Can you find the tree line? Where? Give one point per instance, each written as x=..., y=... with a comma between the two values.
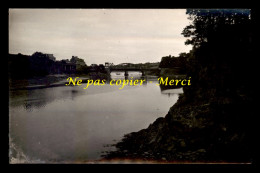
x=40, y=64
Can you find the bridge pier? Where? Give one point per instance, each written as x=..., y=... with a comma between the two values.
x=143, y=73
x=108, y=74
x=126, y=73
x=126, y=70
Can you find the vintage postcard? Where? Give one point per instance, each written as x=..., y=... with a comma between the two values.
x=130, y=86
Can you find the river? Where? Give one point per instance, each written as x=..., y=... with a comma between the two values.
x=69, y=124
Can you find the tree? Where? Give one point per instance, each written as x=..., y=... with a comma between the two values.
x=40, y=64
x=208, y=25
x=222, y=47
x=165, y=62
x=81, y=66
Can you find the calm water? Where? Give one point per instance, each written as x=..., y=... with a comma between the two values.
x=70, y=124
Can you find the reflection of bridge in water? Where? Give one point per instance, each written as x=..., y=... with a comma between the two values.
x=126, y=70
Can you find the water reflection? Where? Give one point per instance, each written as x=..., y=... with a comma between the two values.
x=121, y=74
x=38, y=98
x=170, y=90
x=131, y=75
x=68, y=123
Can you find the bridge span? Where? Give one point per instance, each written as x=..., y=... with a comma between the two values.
x=126, y=70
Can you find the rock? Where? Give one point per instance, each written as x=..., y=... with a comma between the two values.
x=182, y=144
x=201, y=150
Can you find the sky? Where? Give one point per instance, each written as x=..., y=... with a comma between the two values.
x=99, y=35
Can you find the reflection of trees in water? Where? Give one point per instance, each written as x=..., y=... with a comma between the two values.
x=35, y=99
x=30, y=105
x=169, y=88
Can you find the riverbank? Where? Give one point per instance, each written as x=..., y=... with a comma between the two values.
x=42, y=82
x=198, y=132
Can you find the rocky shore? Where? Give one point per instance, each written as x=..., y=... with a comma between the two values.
x=198, y=132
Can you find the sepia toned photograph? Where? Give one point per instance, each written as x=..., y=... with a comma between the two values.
x=131, y=86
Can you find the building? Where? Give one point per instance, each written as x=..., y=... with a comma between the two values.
x=57, y=67
x=51, y=57
x=44, y=55
x=80, y=63
x=108, y=64
x=64, y=66
x=126, y=64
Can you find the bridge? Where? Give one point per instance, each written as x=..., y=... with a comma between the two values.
x=126, y=69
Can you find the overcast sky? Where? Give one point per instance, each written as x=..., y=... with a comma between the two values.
x=99, y=35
